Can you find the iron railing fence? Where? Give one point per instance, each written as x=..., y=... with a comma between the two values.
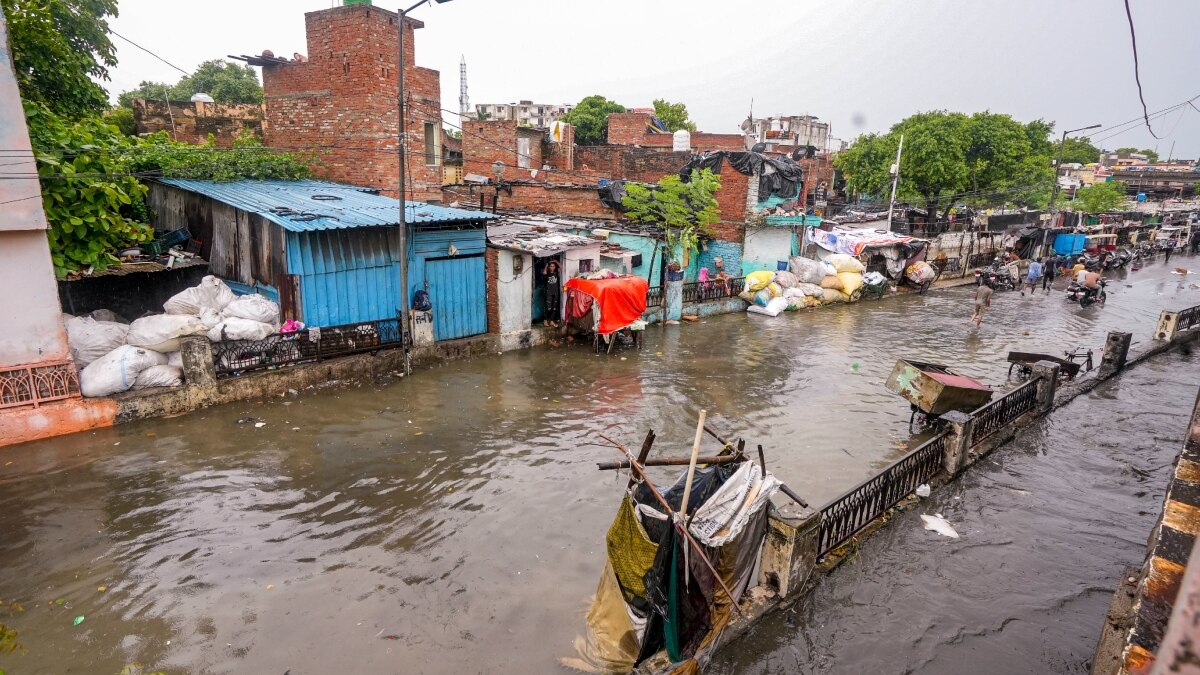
x=994, y=416
x=654, y=296
x=696, y=291
x=847, y=515
x=1187, y=318
x=310, y=344
x=35, y=385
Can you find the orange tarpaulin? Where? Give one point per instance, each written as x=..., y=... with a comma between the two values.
x=622, y=300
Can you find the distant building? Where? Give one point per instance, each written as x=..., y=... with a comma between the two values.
x=791, y=131
x=524, y=112
x=1123, y=159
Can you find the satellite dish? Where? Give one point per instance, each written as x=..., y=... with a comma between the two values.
x=748, y=125
x=759, y=147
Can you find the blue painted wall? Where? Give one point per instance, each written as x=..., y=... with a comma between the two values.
x=457, y=284
x=731, y=255
x=346, y=276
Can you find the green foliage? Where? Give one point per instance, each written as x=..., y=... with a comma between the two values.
x=60, y=49
x=482, y=116
x=1080, y=150
x=673, y=115
x=159, y=155
x=951, y=158
x=121, y=118
x=225, y=82
x=90, y=202
x=1151, y=155
x=590, y=119
x=684, y=210
x=1100, y=197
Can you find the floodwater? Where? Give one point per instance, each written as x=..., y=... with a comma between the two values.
x=454, y=521
x=1047, y=526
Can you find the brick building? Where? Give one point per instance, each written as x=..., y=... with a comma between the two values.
x=341, y=98
x=194, y=121
x=637, y=128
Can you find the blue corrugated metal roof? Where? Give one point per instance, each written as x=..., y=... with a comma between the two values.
x=308, y=205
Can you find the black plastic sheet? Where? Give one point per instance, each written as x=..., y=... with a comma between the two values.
x=778, y=175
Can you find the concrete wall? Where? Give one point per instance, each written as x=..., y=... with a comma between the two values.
x=765, y=246
x=572, y=256
x=514, y=291
x=193, y=122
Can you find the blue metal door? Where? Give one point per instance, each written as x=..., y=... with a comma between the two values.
x=458, y=291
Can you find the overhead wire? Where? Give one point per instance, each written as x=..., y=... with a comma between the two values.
x=1137, y=69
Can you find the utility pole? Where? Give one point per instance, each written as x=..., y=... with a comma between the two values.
x=895, y=182
x=401, y=147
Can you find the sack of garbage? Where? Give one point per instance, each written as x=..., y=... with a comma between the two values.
x=747, y=295
x=117, y=370
x=756, y=281
x=920, y=272
x=235, y=328
x=793, y=293
x=161, y=332
x=175, y=359
x=159, y=376
x=832, y=295
x=108, y=315
x=786, y=279
x=814, y=290
x=90, y=339
x=851, y=282
x=211, y=293
x=831, y=282
x=846, y=263
x=253, y=307
x=774, y=308
x=807, y=270
x=874, y=278
x=209, y=317
x=762, y=297
x=830, y=270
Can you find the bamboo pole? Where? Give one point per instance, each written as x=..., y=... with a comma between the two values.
x=691, y=473
x=642, y=455
x=678, y=525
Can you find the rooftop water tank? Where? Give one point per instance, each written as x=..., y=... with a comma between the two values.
x=681, y=141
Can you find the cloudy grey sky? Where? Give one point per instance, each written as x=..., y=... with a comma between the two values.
x=860, y=64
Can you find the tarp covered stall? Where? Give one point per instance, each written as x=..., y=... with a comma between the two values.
x=620, y=301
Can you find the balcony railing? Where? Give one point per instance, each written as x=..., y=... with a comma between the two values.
x=311, y=344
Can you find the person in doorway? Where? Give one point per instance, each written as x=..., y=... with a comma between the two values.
x=983, y=302
x=1049, y=274
x=553, y=293
x=1033, y=276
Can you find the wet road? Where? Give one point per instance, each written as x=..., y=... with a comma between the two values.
x=1047, y=526
x=453, y=522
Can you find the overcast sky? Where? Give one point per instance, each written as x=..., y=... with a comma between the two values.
x=859, y=64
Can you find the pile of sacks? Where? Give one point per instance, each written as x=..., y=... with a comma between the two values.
x=806, y=283
x=113, y=356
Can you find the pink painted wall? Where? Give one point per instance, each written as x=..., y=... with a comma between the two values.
x=31, y=328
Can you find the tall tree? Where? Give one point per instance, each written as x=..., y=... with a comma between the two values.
x=1080, y=151
x=156, y=91
x=590, y=119
x=60, y=48
x=225, y=82
x=673, y=115
x=1100, y=197
x=683, y=210
x=1150, y=154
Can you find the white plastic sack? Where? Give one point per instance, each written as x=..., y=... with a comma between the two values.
x=874, y=278
x=234, y=328
x=159, y=376
x=211, y=293
x=161, y=332
x=209, y=317
x=813, y=290
x=175, y=359
x=793, y=293
x=846, y=263
x=117, y=370
x=726, y=513
x=774, y=307
x=90, y=339
x=786, y=279
x=252, y=307
x=807, y=270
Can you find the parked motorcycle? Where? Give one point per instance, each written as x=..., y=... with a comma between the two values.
x=1086, y=297
x=1118, y=260
x=997, y=277
x=1091, y=262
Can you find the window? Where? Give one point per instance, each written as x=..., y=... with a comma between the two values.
x=585, y=266
x=524, y=152
x=433, y=145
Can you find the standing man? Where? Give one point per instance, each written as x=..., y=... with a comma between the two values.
x=1049, y=274
x=1170, y=249
x=983, y=301
x=1033, y=276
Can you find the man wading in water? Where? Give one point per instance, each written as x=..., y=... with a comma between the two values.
x=983, y=300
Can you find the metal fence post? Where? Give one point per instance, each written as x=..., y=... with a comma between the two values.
x=958, y=441
x=1116, y=351
x=1166, y=325
x=1046, y=373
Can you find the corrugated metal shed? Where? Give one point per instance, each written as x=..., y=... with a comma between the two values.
x=311, y=205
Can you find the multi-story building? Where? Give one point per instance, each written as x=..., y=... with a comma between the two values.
x=526, y=113
x=791, y=131
x=1108, y=159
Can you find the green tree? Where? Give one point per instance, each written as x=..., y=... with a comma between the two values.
x=92, y=203
x=1151, y=155
x=60, y=50
x=1079, y=150
x=951, y=158
x=683, y=210
x=590, y=119
x=159, y=155
x=155, y=91
x=1100, y=197
x=225, y=82
x=673, y=115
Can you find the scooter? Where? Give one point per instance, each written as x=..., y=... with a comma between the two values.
x=1086, y=297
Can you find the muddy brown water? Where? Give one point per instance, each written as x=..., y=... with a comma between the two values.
x=453, y=522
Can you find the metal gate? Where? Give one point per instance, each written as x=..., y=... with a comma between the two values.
x=458, y=292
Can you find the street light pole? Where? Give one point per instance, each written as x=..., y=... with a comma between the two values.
x=405, y=323
x=895, y=182
x=1058, y=163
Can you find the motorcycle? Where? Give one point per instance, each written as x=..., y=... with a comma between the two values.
x=1091, y=262
x=997, y=276
x=1118, y=260
x=1086, y=297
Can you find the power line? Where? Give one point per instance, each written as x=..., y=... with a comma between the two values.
x=148, y=52
x=1136, y=69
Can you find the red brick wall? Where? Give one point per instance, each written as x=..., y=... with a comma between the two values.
x=628, y=128
x=564, y=200
x=562, y=154
x=189, y=122
x=702, y=142
x=492, y=274
x=343, y=99
x=731, y=198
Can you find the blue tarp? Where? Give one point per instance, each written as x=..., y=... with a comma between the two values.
x=1069, y=244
